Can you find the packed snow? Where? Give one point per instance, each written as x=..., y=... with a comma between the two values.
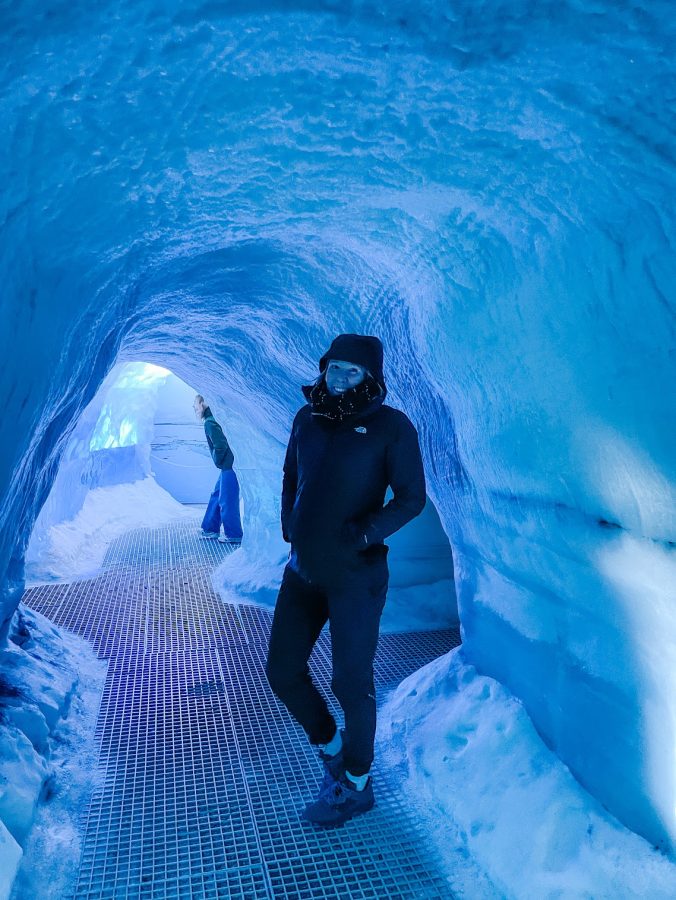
x=52, y=850
x=497, y=799
x=76, y=548
x=50, y=691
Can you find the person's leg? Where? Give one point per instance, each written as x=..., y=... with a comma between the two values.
x=229, y=505
x=300, y=614
x=212, y=517
x=355, y=608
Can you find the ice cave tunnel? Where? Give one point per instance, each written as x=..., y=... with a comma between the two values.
x=197, y=197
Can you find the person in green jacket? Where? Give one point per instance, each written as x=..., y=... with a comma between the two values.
x=223, y=506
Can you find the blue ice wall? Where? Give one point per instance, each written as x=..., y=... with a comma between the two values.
x=111, y=444
x=179, y=457
x=489, y=186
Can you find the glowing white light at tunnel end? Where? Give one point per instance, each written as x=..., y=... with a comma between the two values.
x=132, y=387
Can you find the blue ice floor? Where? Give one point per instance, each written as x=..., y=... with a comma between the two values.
x=203, y=773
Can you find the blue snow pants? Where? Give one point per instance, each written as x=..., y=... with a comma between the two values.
x=223, y=507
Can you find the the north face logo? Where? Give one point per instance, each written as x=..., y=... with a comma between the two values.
x=360, y=429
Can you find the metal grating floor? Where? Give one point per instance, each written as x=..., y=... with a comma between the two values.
x=203, y=772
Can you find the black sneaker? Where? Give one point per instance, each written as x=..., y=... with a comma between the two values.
x=338, y=803
x=334, y=767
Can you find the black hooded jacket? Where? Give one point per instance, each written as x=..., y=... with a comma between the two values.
x=336, y=474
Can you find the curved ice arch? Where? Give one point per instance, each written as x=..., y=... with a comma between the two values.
x=489, y=189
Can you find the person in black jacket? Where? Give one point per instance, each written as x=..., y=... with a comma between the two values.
x=223, y=506
x=346, y=449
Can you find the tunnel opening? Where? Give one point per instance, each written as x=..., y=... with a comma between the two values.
x=138, y=458
x=105, y=484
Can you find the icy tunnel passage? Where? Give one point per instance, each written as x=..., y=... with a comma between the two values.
x=220, y=188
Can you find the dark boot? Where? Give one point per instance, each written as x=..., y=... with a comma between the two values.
x=334, y=766
x=338, y=803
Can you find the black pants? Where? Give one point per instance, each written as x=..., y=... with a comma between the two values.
x=353, y=608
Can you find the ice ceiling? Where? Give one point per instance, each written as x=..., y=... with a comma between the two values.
x=221, y=187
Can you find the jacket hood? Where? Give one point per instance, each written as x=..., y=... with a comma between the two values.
x=361, y=349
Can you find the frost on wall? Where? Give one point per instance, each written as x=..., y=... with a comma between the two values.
x=488, y=187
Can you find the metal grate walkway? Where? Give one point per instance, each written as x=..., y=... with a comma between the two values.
x=203, y=773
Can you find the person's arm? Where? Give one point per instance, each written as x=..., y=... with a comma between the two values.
x=221, y=453
x=406, y=477
x=289, y=483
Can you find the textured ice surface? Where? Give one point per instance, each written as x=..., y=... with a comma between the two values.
x=220, y=188
x=111, y=444
x=104, y=485
x=10, y=857
x=51, y=852
x=179, y=454
x=43, y=673
x=485, y=782
x=76, y=548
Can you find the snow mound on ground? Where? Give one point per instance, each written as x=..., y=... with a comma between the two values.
x=76, y=548
x=53, y=847
x=488, y=785
x=49, y=695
